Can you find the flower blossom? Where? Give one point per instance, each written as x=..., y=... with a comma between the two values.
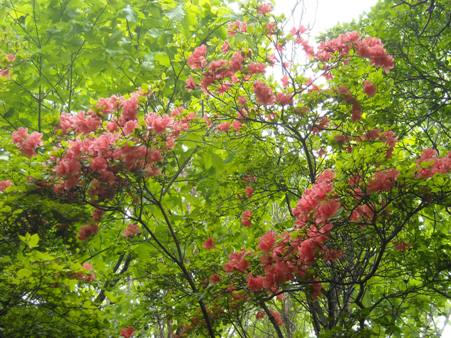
x=5, y=184
x=27, y=143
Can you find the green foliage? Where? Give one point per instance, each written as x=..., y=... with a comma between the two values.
x=70, y=53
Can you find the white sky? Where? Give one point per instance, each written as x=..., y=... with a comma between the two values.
x=321, y=15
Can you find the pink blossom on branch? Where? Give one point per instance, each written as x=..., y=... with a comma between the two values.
x=131, y=230
x=127, y=332
x=198, y=59
x=5, y=184
x=369, y=88
x=209, y=244
x=383, y=181
x=87, y=231
x=27, y=143
x=264, y=9
x=246, y=218
x=264, y=94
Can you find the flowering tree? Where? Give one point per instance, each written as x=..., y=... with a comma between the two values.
x=266, y=192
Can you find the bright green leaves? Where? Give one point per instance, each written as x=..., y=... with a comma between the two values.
x=30, y=240
x=162, y=59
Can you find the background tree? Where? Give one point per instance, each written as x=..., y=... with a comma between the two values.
x=229, y=202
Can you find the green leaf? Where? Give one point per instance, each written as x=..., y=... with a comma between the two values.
x=163, y=59
x=24, y=273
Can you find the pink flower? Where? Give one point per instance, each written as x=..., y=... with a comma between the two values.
x=87, y=276
x=224, y=127
x=255, y=283
x=326, y=210
x=97, y=215
x=271, y=27
x=130, y=126
x=263, y=93
x=237, y=261
x=129, y=109
x=383, y=180
x=285, y=81
x=429, y=164
x=264, y=9
x=97, y=164
x=209, y=244
x=307, y=250
x=197, y=60
x=225, y=47
x=155, y=155
x=5, y=184
x=27, y=143
x=87, y=266
x=249, y=191
x=267, y=241
x=10, y=58
x=127, y=332
x=87, y=231
x=369, y=88
x=256, y=68
x=236, y=125
x=356, y=111
x=131, y=230
x=246, y=218
x=362, y=212
x=158, y=123
x=111, y=126
x=82, y=123
x=5, y=73
x=236, y=61
x=284, y=99
x=370, y=48
x=214, y=278
x=107, y=105
x=190, y=84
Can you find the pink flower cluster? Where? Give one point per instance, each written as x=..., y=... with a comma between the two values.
x=27, y=143
x=237, y=262
x=362, y=212
x=5, y=73
x=81, y=123
x=370, y=48
x=87, y=231
x=88, y=275
x=198, y=59
x=131, y=230
x=246, y=218
x=263, y=93
x=127, y=332
x=283, y=257
x=236, y=26
x=264, y=9
x=430, y=164
x=209, y=244
x=316, y=202
x=383, y=181
x=96, y=157
x=5, y=184
x=256, y=68
x=389, y=137
x=369, y=88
